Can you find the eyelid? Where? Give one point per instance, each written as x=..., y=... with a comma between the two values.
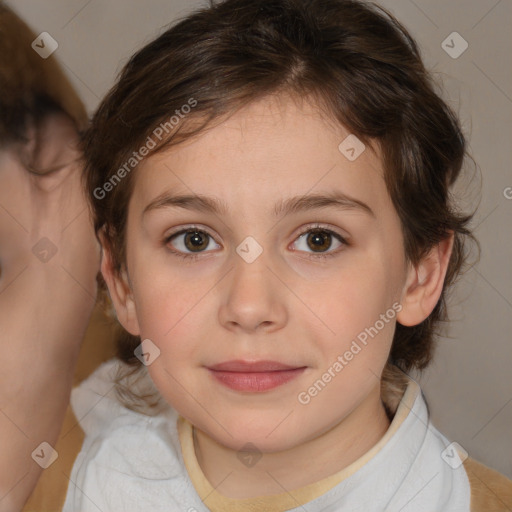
x=183, y=230
x=319, y=226
x=188, y=228
x=300, y=232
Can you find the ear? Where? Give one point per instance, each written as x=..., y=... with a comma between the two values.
x=120, y=291
x=424, y=284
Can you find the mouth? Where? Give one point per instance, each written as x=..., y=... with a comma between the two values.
x=254, y=376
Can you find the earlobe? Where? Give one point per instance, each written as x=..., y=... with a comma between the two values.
x=120, y=292
x=424, y=284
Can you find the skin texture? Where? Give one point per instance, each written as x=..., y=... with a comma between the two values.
x=288, y=305
x=44, y=306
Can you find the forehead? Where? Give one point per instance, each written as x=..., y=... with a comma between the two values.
x=269, y=150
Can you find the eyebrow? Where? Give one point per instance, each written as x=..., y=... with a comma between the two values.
x=210, y=204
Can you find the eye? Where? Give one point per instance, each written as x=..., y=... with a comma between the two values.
x=320, y=240
x=191, y=239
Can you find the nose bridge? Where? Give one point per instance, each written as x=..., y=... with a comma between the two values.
x=253, y=294
x=251, y=264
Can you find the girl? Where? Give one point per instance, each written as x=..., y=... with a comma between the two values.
x=270, y=183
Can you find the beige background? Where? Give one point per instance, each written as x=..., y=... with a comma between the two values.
x=469, y=385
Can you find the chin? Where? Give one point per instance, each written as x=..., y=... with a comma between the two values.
x=267, y=437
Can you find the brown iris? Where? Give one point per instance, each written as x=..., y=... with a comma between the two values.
x=196, y=240
x=320, y=240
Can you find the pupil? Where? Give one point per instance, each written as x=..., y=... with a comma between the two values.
x=195, y=238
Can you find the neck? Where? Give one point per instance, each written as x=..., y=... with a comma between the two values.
x=276, y=472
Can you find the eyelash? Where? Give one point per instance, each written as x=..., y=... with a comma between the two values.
x=308, y=229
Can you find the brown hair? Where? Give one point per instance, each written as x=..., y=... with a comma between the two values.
x=32, y=88
x=360, y=66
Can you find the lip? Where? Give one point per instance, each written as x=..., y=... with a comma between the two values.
x=256, y=376
x=239, y=365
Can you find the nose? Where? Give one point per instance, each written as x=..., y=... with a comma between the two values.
x=253, y=297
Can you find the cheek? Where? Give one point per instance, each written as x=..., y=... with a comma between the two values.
x=358, y=322
x=175, y=383
x=175, y=327
x=166, y=301
x=351, y=299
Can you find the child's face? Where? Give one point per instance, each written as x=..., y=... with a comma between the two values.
x=288, y=305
